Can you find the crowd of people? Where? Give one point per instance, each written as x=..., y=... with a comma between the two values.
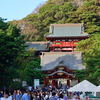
x=45, y=93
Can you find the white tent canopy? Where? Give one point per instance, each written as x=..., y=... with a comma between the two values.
x=84, y=86
x=97, y=89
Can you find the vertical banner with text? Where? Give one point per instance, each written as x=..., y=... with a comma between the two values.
x=36, y=82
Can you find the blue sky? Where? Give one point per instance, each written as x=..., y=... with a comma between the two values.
x=17, y=9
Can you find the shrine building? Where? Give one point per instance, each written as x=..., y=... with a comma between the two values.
x=62, y=59
x=59, y=57
x=64, y=37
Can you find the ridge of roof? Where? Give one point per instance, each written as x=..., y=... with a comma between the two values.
x=40, y=42
x=68, y=24
x=60, y=53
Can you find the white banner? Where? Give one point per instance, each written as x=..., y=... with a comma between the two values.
x=36, y=82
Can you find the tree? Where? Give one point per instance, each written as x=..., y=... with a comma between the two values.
x=3, y=25
x=11, y=45
x=91, y=50
x=15, y=61
x=30, y=67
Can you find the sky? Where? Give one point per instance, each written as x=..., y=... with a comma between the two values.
x=17, y=9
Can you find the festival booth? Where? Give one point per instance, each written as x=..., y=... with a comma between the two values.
x=84, y=86
x=84, y=89
x=97, y=91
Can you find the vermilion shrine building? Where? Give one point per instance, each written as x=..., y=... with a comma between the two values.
x=64, y=37
x=60, y=59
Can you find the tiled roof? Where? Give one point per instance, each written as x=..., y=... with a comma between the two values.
x=42, y=46
x=72, y=60
x=66, y=30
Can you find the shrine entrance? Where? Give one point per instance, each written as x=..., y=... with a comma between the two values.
x=60, y=78
x=59, y=82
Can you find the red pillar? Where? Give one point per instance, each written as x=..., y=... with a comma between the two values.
x=72, y=46
x=53, y=83
x=45, y=81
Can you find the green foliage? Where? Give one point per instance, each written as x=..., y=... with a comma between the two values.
x=91, y=50
x=11, y=45
x=15, y=61
x=61, y=11
x=81, y=74
x=91, y=45
x=3, y=25
x=15, y=85
x=30, y=67
x=13, y=31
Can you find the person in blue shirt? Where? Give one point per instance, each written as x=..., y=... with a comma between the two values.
x=53, y=97
x=25, y=95
x=18, y=95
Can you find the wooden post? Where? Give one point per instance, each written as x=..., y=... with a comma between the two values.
x=68, y=83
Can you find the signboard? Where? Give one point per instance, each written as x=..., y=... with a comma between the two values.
x=36, y=82
x=24, y=83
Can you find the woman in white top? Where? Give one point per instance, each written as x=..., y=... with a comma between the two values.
x=6, y=96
